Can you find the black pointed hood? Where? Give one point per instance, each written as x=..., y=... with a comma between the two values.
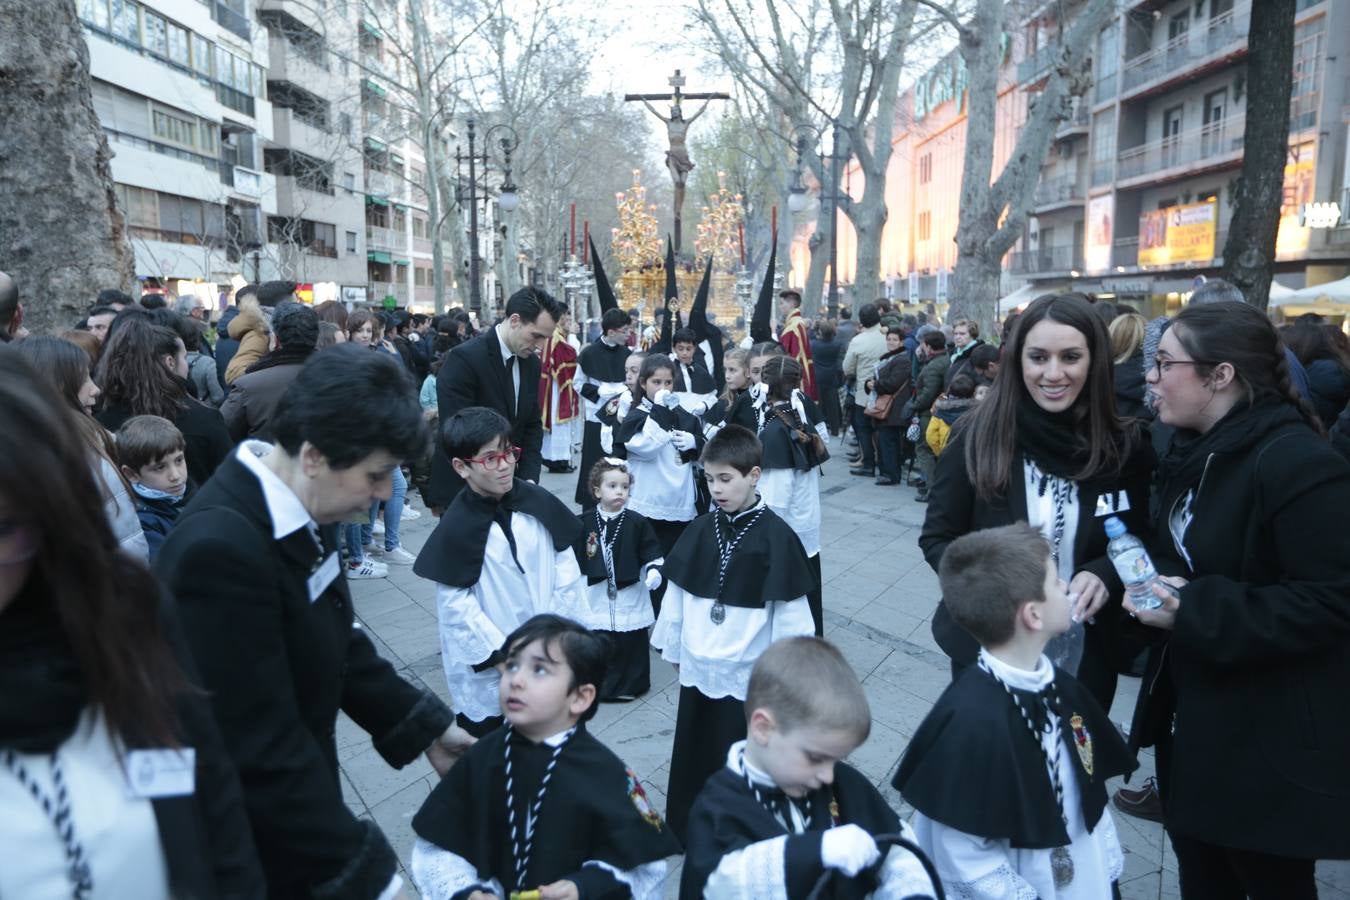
x=603, y=290
x=760, y=324
x=705, y=330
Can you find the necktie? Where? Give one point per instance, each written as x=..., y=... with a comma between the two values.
x=511, y=390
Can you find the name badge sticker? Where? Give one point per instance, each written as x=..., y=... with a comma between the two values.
x=161, y=773
x=324, y=576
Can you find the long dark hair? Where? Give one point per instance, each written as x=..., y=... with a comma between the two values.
x=65, y=366
x=106, y=602
x=1311, y=341
x=132, y=372
x=651, y=364
x=992, y=442
x=1243, y=336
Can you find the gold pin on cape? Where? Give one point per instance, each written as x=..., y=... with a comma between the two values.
x=1082, y=742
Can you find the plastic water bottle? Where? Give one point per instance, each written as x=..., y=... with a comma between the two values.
x=1132, y=565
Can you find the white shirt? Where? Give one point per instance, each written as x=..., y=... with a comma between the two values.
x=631, y=607
x=118, y=832
x=663, y=485
x=287, y=512
x=512, y=367
x=974, y=866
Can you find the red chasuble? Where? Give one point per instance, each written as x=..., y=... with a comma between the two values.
x=558, y=365
x=797, y=344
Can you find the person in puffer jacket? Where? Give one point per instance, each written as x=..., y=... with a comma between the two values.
x=959, y=399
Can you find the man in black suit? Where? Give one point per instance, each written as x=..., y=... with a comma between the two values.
x=253, y=565
x=499, y=369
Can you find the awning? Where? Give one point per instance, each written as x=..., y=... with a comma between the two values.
x=1018, y=299
x=402, y=262
x=377, y=201
x=400, y=206
x=1332, y=293
x=371, y=86
x=371, y=29
x=376, y=144
x=378, y=256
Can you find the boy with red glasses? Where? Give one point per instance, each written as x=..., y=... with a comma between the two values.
x=501, y=554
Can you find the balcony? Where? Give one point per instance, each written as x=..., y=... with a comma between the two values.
x=1224, y=36
x=241, y=181
x=1125, y=252
x=1057, y=192
x=381, y=289
x=1078, y=122
x=378, y=238
x=1037, y=65
x=1209, y=147
x=228, y=18
x=1047, y=260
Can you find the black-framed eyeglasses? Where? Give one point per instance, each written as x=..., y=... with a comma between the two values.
x=495, y=459
x=1162, y=366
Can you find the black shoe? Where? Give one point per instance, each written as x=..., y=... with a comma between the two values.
x=916, y=481
x=921, y=497
x=855, y=458
x=1144, y=803
x=886, y=482
x=866, y=473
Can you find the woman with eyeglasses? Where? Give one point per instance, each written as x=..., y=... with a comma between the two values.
x=1046, y=446
x=1245, y=700
x=113, y=779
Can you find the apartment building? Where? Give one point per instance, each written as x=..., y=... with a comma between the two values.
x=180, y=91
x=1135, y=194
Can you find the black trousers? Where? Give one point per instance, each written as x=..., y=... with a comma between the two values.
x=862, y=427
x=1209, y=872
x=815, y=598
x=667, y=533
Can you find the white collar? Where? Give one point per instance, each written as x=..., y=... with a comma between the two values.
x=1033, y=680
x=287, y=512
x=604, y=339
x=737, y=762
x=608, y=515
x=759, y=503
x=554, y=740
x=501, y=343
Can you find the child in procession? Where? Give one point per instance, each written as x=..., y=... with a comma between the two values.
x=539, y=808
x=718, y=619
x=620, y=558
x=502, y=552
x=616, y=410
x=786, y=809
x=694, y=384
x=1008, y=771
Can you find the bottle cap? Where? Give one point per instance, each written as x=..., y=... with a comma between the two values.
x=1114, y=527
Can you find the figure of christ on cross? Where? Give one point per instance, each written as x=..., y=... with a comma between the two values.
x=677, y=130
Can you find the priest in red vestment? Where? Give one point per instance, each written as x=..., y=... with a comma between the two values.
x=558, y=399
x=796, y=342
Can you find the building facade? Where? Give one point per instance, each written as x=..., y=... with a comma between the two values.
x=1136, y=192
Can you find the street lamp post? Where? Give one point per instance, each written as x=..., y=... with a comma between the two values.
x=508, y=199
x=797, y=203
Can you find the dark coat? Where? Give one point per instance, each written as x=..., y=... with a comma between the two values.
x=1257, y=664
x=204, y=433
x=893, y=377
x=1328, y=389
x=279, y=668
x=930, y=383
x=226, y=346
x=828, y=359
x=961, y=364
x=1130, y=387
x=157, y=517
x=253, y=398
x=955, y=510
x=473, y=375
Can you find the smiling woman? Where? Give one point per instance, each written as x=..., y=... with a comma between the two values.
x=1047, y=447
x=253, y=563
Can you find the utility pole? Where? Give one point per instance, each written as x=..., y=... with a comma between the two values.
x=475, y=289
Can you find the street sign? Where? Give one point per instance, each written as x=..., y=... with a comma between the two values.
x=1320, y=215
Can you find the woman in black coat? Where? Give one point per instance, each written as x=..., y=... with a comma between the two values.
x=893, y=380
x=827, y=357
x=1047, y=447
x=1246, y=699
x=90, y=661
x=143, y=372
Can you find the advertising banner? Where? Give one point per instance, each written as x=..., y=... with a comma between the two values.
x=1178, y=234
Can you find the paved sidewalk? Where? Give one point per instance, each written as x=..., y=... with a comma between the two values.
x=879, y=595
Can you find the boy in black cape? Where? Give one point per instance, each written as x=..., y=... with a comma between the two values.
x=599, y=380
x=694, y=384
x=785, y=810
x=1008, y=771
x=501, y=553
x=718, y=618
x=539, y=808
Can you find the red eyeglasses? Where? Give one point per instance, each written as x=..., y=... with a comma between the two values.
x=495, y=459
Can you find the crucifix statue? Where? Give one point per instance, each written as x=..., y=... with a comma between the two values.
x=677, y=129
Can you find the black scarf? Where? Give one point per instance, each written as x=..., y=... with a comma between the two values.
x=42, y=691
x=1052, y=440
x=1243, y=427
x=285, y=355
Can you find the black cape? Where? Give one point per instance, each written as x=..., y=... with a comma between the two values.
x=973, y=765
x=728, y=817
x=769, y=563
x=453, y=555
x=602, y=362
x=594, y=809
x=781, y=449
x=702, y=380
x=678, y=419
x=637, y=545
x=741, y=411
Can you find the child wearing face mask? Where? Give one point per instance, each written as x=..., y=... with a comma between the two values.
x=620, y=558
x=662, y=442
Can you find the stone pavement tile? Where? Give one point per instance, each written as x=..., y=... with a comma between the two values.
x=913, y=675
x=863, y=655
x=1140, y=886
x=377, y=596
x=905, y=597
x=642, y=739
x=883, y=616
x=407, y=616
x=1334, y=879
x=850, y=588
x=895, y=708
x=878, y=756
x=395, y=813
x=376, y=781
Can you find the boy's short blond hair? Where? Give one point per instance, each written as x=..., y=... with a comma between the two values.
x=806, y=682
x=987, y=575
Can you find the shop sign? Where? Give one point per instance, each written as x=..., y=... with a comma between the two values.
x=1178, y=234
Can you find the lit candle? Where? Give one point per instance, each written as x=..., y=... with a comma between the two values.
x=740, y=228
x=586, y=243
x=572, y=245
x=775, y=220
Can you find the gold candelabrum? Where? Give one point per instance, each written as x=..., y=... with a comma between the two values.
x=719, y=231
x=637, y=240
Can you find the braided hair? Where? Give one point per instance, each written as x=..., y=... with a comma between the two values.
x=1244, y=337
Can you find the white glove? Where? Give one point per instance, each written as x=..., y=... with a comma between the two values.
x=659, y=398
x=653, y=579
x=682, y=440
x=849, y=849
x=671, y=401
